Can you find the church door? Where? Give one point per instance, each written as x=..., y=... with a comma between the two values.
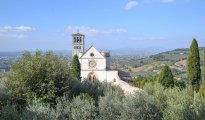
x=92, y=76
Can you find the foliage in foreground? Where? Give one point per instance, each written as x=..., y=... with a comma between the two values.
x=93, y=100
x=177, y=104
x=154, y=103
x=43, y=76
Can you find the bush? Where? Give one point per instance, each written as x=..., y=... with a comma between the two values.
x=110, y=105
x=179, y=105
x=140, y=107
x=180, y=84
x=165, y=77
x=38, y=111
x=42, y=76
x=157, y=91
x=176, y=103
x=93, y=89
x=82, y=108
x=199, y=107
x=9, y=112
x=4, y=95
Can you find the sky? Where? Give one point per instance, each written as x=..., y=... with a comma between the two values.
x=106, y=24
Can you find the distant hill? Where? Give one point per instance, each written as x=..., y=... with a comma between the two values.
x=152, y=65
x=175, y=55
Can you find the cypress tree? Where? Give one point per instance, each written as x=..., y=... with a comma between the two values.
x=75, y=68
x=193, y=66
x=166, y=77
x=202, y=87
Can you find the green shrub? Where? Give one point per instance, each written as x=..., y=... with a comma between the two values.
x=93, y=89
x=199, y=107
x=176, y=103
x=62, y=108
x=110, y=105
x=44, y=76
x=38, y=111
x=82, y=108
x=157, y=91
x=4, y=95
x=9, y=112
x=180, y=84
x=179, y=105
x=166, y=77
x=140, y=107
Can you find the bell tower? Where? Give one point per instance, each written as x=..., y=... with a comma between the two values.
x=77, y=44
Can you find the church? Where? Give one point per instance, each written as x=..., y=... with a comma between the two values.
x=95, y=65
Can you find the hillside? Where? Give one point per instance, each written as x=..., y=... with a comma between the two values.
x=152, y=65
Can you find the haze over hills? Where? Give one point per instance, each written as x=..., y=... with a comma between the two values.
x=119, y=51
x=135, y=61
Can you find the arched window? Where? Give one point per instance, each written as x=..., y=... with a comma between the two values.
x=94, y=78
x=75, y=40
x=114, y=80
x=90, y=78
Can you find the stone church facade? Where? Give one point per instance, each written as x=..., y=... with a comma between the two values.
x=95, y=65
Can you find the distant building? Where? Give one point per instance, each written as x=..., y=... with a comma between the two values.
x=95, y=65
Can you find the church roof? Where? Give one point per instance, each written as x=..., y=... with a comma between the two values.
x=92, y=47
x=78, y=34
x=106, y=54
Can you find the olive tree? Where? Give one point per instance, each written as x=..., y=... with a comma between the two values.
x=42, y=76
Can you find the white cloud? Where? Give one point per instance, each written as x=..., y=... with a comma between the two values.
x=16, y=29
x=93, y=31
x=12, y=36
x=14, y=32
x=131, y=4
